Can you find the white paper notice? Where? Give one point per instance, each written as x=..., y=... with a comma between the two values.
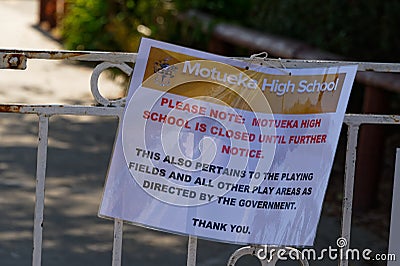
x=215, y=148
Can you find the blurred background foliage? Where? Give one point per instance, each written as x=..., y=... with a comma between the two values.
x=363, y=30
x=113, y=25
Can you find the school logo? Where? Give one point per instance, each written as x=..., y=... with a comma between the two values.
x=164, y=72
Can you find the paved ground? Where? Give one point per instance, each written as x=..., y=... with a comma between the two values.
x=79, y=150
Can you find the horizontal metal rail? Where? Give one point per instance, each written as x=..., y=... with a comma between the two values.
x=358, y=119
x=349, y=119
x=61, y=110
x=300, y=63
x=114, y=57
x=121, y=57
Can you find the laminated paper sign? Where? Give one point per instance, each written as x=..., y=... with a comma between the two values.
x=225, y=150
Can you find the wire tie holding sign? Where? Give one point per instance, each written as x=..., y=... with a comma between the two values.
x=264, y=56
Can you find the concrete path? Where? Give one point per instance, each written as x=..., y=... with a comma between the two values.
x=44, y=81
x=78, y=155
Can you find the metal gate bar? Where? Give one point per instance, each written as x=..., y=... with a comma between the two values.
x=40, y=184
x=347, y=204
x=192, y=251
x=117, y=243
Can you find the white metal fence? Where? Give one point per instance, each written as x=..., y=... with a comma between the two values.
x=105, y=107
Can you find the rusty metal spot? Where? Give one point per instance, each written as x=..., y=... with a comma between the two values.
x=10, y=108
x=395, y=119
x=65, y=55
x=12, y=61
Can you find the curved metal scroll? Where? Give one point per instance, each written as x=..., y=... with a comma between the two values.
x=95, y=79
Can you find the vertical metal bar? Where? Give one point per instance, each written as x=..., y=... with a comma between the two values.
x=117, y=244
x=118, y=223
x=40, y=186
x=350, y=167
x=192, y=250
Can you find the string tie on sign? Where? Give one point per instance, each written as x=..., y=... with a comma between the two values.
x=264, y=56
